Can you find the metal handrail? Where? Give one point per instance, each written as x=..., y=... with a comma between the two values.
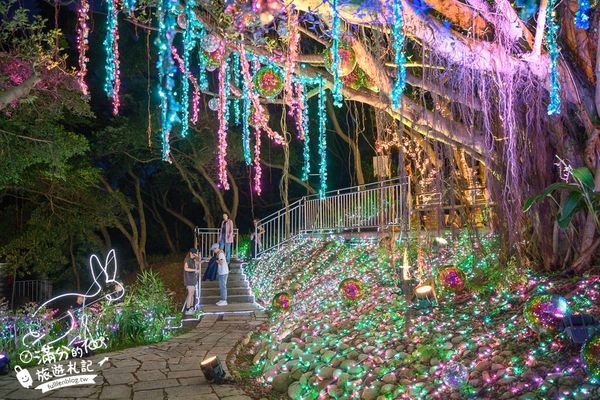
x=36, y=290
x=376, y=205
x=204, y=238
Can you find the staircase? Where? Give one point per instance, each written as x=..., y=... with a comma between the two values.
x=239, y=294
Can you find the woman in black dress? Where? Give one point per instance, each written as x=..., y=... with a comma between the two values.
x=191, y=267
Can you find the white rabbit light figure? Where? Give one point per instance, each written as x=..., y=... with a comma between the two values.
x=104, y=276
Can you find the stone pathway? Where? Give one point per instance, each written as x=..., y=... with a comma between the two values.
x=167, y=370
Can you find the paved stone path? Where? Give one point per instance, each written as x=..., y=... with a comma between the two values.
x=167, y=370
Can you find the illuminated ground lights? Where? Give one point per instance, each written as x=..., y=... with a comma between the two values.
x=325, y=347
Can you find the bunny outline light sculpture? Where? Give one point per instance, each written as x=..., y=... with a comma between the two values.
x=104, y=276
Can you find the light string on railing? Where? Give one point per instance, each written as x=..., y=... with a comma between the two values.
x=335, y=56
x=194, y=81
x=257, y=166
x=582, y=18
x=112, y=81
x=322, y=140
x=83, y=31
x=551, y=40
x=399, y=57
x=223, y=123
x=188, y=45
x=166, y=72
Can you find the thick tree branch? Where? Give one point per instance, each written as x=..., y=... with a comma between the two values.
x=18, y=92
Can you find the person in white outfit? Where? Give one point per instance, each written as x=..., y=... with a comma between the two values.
x=223, y=272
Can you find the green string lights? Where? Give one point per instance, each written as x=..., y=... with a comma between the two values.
x=112, y=81
x=400, y=58
x=335, y=64
x=322, y=141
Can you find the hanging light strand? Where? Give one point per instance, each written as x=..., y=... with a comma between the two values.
x=335, y=65
x=259, y=116
x=223, y=123
x=194, y=81
x=322, y=141
x=129, y=6
x=166, y=72
x=400, y=57
x=304, y=129
x=188, y=46
x=83, y=31
x=112, y=82
x=257, y=166
x=246, y=124
x=551, y=40
x=235, y=72
x=292, y=55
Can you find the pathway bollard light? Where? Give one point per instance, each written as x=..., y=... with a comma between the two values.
x=212, y=370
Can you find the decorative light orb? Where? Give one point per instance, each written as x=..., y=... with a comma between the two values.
x=455, y=375
x=351, y=290
x=267, y=10
x=210, y=43
x=347, y=61
x=452, y=278
x=182, y=21
x=213, y=59
x=282, y=301
x=543, y=312
x=268, y=81
x=213, y=104
x=590, y=356
x=354, y=80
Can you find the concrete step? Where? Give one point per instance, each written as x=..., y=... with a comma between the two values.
x=230, y=307
x=238, y=298
x=232, y=282
x=214, y=291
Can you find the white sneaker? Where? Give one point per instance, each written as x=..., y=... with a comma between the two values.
x=189, y=311
x=222, y=303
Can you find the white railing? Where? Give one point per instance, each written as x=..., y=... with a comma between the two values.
x=204, y=238
x=33, y=290
x=376, y=205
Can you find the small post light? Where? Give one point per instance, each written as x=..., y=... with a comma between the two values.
x=4, y=364
x=424, y=294
x=212, y=370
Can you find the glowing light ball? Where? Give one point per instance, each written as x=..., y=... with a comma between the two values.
x=351, y=290
x=213, y=59
x=347, y=60
x=543, y=312
x=455, y=375
x=213, y=104
x=354, y=80
x=452, y=278
x=267, y=10
x=210, y=43
x=268, y=81
x=282, y=301
x=182, y=20
x=590, y=356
